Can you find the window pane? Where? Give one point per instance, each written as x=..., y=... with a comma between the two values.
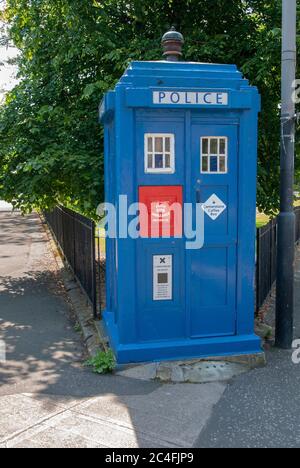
x=205, y=164
x=159, y=145
x=150, y=161
x=168, y=161
x=159, y=161
x=214, y=164
x=150, y=144
x=222, y=146
x=222, y=164
x=204, y=146
x=213, y=146
x=168, y=144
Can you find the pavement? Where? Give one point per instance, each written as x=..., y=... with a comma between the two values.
x=5, y=206
x=49, y=399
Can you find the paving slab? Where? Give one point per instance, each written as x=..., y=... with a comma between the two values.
x=17, y=413
x=173, y=414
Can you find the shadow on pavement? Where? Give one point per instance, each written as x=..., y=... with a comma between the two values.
x=14, y=228
x=44, y=353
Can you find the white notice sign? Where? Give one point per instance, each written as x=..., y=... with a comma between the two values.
x=162, y=277
x=214, y=207
x=191, y=98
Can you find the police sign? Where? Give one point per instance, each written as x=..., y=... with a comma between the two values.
x=188, y=98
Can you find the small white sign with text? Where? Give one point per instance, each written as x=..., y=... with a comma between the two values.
x=162, y=277
x=214, y=207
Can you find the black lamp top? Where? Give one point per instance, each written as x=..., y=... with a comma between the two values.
x=172, y=43
x=173, y=35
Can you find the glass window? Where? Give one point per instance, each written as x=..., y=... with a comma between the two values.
x=159, y=161
x=222, y=164
x=204, y=163
x=213, y=146
x=222, y=146
x=159, y=144
x=214, y=155
x=159, y=153
x=150, y=160
x=214, y=164
x=168, y=161
x=205, y=146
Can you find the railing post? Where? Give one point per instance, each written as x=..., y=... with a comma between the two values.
x=99, y=272
x=93, y=266
x=257, y=270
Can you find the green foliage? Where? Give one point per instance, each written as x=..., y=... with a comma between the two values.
x=77, y=327
x=102, y=363
x=71, y=53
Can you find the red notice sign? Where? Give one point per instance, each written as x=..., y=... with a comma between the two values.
x=161, y=211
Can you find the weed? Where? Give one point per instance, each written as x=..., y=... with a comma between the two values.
x=77, y=327
x=102, y=363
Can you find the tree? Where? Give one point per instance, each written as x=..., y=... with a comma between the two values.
x=73, y=52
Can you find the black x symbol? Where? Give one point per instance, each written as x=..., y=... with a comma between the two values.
x=162, y=260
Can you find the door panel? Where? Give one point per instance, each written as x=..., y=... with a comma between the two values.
x=164, y=318
x=213, y=268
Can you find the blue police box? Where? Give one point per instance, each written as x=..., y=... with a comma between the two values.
x=185, y=134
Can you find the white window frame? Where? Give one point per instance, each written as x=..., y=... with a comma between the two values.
x=164, y=170
x=209, y=155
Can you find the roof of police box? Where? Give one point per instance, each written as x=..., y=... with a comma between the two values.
x=152, y=72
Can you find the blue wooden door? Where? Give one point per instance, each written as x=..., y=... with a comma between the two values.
x=213, y=268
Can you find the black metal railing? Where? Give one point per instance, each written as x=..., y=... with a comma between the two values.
x=75, y=236
x=266, y=262
x=266, y=256
x=297, y=213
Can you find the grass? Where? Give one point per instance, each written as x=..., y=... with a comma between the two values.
x=100, y=234
x=263, y=219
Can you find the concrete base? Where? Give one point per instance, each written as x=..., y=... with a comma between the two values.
x=196, y=371
x=176, y=362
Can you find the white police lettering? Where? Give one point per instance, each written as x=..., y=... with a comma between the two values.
x=190, y=98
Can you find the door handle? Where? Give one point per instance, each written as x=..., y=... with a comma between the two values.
x=198, y=196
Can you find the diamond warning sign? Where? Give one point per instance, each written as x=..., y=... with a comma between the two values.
x=214, y=207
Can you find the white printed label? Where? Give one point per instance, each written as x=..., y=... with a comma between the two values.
x=214, y=207
x=190, y=98
x=162, y=277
